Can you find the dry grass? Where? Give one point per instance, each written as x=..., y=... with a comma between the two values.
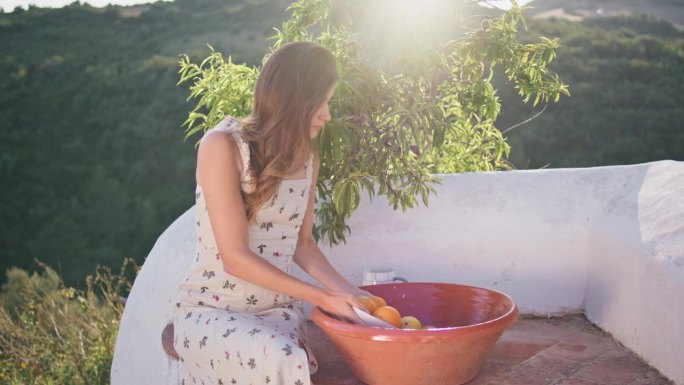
x=52, y=334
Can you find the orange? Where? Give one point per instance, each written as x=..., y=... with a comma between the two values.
x=368, y=303
x=378, y=301
x=389, y=315
x=410, y=322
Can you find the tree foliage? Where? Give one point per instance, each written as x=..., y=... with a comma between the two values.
x=428, y=106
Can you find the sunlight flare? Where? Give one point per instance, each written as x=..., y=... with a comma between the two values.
x=410, y=18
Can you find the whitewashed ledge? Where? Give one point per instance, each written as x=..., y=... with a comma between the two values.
x=606, y=241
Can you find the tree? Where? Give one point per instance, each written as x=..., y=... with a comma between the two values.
x=425, y=105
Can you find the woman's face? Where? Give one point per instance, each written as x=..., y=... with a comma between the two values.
x=321, y=116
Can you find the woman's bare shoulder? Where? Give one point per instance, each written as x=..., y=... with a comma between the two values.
x=223, y=136
x=218, y=150
x=218, y=143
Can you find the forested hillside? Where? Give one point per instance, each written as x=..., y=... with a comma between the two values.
x=670, y=10
x=627, y=105
x=93, y=165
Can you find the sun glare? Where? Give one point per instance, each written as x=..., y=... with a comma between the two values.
x=413, y=17
x=391, y=25
x=393, y=29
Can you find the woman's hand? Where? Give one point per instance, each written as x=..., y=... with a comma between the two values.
x=340, y=305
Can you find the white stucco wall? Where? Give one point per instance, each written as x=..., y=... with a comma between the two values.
x=138, y=356
x=636, y=272
x=608, y=241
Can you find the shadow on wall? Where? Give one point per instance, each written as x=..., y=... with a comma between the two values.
x=615, y=234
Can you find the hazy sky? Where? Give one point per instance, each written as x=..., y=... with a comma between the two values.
x=9, y=5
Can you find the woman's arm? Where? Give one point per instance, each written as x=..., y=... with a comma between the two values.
x=310, y=258
x=218, y=172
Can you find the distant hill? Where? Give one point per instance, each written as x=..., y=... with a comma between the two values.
x=577, y=10
x=626, y=105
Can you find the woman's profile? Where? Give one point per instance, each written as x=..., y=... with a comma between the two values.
x=239, y=313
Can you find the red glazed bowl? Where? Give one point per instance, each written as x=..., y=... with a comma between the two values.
x=468, y=321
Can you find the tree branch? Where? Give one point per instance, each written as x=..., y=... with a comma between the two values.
x=525, y=121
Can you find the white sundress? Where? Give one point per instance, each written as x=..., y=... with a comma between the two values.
x=229, y=331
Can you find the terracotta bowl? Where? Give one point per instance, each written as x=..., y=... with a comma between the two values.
x=468, y=320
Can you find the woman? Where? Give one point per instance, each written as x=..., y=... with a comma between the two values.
x=239, y=313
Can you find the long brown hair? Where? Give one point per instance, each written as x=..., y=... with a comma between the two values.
x=291, y=86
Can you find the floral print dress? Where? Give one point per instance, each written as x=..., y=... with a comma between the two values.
x=230, y=331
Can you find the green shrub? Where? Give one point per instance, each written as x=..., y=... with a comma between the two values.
x=53, y=334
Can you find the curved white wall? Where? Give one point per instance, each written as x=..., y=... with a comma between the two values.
x=608, y=241
x=138, y=357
